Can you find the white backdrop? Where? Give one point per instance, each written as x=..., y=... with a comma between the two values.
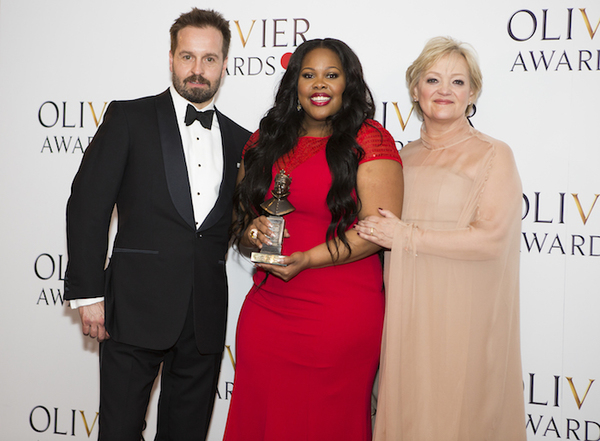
x=62, y=61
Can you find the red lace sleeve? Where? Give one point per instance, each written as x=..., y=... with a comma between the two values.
x=251, y=143
x=377, y=142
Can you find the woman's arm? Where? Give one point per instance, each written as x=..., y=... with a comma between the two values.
x=485, y=238
x=380, y=184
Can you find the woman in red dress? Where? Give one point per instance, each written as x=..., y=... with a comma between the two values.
x=309, y=332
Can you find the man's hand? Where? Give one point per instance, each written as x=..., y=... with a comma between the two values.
x=92, y=321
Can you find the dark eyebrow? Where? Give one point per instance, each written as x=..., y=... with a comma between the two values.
x=327, y=68
x=214, y=55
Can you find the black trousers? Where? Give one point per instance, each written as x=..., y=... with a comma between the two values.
x=188, y=386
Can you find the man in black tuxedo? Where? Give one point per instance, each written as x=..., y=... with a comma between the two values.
x=163, y=298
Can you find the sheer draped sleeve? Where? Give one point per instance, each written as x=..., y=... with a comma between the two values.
x=487, y=221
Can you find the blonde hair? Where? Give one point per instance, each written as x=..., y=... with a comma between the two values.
x=434, y=50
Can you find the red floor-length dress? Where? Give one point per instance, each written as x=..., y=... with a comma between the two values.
x=307, y=350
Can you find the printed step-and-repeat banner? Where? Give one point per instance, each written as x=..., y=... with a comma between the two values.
x=62, y=62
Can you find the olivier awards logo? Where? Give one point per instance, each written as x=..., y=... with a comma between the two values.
x=225, y=387
x=66, y=422
x=70, y=125
x=50, y=268
x=545, y=214
x=269, y=40
x=555, y=40
x=397, y=122
x=550, y=394
x=63, y=422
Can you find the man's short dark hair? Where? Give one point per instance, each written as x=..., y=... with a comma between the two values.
x=202, y=18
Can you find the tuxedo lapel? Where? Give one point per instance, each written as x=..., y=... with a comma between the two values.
x=226, y=190
x=174, y=159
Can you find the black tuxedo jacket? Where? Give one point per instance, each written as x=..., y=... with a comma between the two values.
x=159, y=258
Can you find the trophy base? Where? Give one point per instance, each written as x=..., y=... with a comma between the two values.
x=271, y=259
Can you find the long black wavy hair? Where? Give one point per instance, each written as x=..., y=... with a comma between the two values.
x=280, y=129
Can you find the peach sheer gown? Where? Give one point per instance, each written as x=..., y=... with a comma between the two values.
x=451, y=364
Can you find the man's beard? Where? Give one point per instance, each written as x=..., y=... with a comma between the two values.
x=196, y=95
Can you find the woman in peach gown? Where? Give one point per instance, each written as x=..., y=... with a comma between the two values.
x=451, y=365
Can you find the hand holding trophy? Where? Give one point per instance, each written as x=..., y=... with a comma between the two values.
x=277, y=207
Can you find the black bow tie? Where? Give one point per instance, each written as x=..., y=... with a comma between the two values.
x=205, y=118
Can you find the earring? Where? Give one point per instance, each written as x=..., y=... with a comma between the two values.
x=473, y=110
x=298, y=106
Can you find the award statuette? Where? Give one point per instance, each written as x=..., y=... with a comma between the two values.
x=277, y=207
